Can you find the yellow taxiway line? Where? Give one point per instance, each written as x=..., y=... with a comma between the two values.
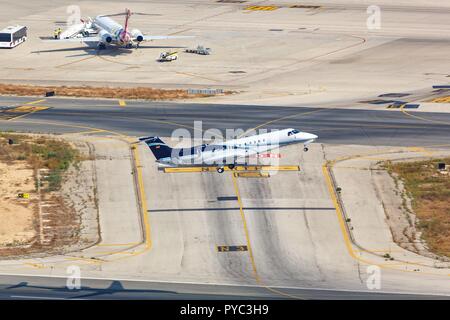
x=236, y=169
x=143, y=199
x=249, y=247
x=347, y=241
x=244, y=221
x=252, y=174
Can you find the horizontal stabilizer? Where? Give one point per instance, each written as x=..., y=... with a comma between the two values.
x=84, y=39
x=145, y=138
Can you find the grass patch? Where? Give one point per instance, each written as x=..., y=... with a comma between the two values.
x=39, y=153
x=429, y=191
x=99, y=92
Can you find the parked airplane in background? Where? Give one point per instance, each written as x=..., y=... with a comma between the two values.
x=228, y=152
x=108, y=32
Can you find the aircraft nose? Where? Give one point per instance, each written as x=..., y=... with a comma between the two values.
x=310, y=136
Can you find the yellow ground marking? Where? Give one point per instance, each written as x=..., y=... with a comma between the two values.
x=249, y=247
x=35, y=265
x=237, y=168
x=122, y=103
x=110, y=253
x=445, y=99
x=347, y=241
x=421, y=150
x=117, y=244
x=181, y=170
x=261, y=8
x=344, y=231
x=36, y=101
x=27, y=108
x=244, y=221
x=252, y=174
x=87, y=260
x=379, y=250
x=280, y=168
x=143, y=198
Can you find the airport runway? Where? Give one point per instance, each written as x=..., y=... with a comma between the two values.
x=334, y=126
x=53, y=288
x=310, y=273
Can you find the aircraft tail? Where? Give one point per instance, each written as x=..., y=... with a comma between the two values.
x=158, y=147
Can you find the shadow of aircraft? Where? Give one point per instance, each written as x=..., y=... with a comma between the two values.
x=109, y=52
x=115, y=287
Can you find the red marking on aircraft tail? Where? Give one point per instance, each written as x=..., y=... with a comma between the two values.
x=127, y=17
x=125, y=36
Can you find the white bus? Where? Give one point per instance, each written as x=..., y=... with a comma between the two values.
x=12, y=36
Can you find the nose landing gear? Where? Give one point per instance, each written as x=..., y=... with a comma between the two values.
x=305, y=149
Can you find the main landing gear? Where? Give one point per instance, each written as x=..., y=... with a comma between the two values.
x=222, y=169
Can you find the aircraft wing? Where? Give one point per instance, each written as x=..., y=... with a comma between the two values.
x=149, y=38
x=83, y=39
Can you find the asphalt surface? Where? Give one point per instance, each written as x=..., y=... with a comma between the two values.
x=334, y=126
x=54, y=288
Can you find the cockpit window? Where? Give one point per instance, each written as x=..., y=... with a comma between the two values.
x=290, y=133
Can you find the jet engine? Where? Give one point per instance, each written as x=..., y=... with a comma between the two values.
x=137, y=35
x=105, y=36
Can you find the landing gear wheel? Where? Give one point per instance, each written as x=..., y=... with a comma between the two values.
x=220, y=169
x=231, y=166
x=129, y=45
x=101, y=46
x=305, y=149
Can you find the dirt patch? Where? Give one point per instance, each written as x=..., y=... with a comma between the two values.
x=16, y=214
x=425, y=193
x=99, y=92
x=47, y=222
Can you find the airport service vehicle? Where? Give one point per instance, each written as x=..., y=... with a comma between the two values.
x=167, y=56
x=199, y=50
x=12, y=36
x=109, y=32
x=228, y=152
